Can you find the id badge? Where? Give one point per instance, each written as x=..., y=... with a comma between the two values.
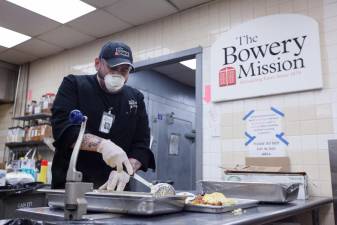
x=106, y=122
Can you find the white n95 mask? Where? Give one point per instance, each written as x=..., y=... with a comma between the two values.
x=113, y=82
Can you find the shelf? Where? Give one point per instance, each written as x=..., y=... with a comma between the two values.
x=46, y=142
x=24, y=144
x=33, y=117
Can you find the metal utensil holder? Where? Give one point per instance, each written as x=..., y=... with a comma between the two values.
x=74, y=201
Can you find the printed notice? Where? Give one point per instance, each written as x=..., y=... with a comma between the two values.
x=264, y=133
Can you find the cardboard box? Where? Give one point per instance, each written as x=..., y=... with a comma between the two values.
x=269, y=164
x=272, y=177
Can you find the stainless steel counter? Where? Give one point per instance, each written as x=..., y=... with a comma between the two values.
x=263, y=214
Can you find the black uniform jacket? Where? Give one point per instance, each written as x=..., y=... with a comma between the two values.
x=130, y=129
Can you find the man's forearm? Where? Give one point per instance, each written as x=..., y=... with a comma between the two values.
x=90, y=142
x=135, y=164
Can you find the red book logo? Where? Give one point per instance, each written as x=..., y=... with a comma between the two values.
x=227, y=76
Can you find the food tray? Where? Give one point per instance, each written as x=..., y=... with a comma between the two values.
x=125, y=202
x=240, y=203
x=263, y=192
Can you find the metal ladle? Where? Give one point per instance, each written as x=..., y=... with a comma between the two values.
x=158, y=190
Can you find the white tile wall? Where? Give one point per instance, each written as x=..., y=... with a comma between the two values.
x=323, y=111
x=311, y=117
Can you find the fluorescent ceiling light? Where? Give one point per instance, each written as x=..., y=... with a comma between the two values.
x=9, y=38
x=61, y=11
x=192, y=63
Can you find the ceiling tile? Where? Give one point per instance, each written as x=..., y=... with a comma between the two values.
x=98, y=24
x=16, y=57
x=65, y=37
x=24, y=21
x=38, y=48
x=100, y=3
x=141, y=11
x=183, y=4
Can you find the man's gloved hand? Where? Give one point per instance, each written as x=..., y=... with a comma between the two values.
x=114, y=156
x=116, y=179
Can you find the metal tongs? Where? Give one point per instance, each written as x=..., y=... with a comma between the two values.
x=75, y=204
x=158, y=190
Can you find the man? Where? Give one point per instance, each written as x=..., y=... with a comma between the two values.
x=117, y=133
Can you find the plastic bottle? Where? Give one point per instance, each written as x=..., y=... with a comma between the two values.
x=42, y=177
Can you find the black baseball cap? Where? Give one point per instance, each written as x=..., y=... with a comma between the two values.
x=116, y=53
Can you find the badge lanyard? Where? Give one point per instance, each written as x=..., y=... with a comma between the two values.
x=106, y=122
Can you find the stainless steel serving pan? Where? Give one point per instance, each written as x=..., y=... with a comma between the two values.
x=261, y=191
x=136, y=203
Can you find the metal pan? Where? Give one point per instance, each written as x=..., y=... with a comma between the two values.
x=263, y=192
x=135, y=203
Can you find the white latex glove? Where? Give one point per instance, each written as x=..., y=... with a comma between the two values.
x=114, y=156
x=116, y=179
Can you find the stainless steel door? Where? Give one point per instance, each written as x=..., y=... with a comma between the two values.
x=176, y=158
x=173, y=145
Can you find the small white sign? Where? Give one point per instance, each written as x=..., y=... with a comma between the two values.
x=269, y=55
x=264, y=135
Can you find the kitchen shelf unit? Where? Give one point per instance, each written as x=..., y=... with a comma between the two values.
x=44, y=145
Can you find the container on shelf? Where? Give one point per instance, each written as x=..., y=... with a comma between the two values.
x=38, y=108
x=33, y=105
x=48, y=100
x=39, y=132
x=42, y=177
x=29, y=109
x=15, y=134
x=2, y=178
x=46, y=131
x=36, y=134
x=27, y=134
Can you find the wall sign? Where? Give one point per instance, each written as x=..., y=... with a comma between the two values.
x=264, y=134
x=269, y=55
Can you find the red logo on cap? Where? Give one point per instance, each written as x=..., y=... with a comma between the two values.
x=227, y=76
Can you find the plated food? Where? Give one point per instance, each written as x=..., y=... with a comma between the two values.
x=217, y=202
x=213, y=199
